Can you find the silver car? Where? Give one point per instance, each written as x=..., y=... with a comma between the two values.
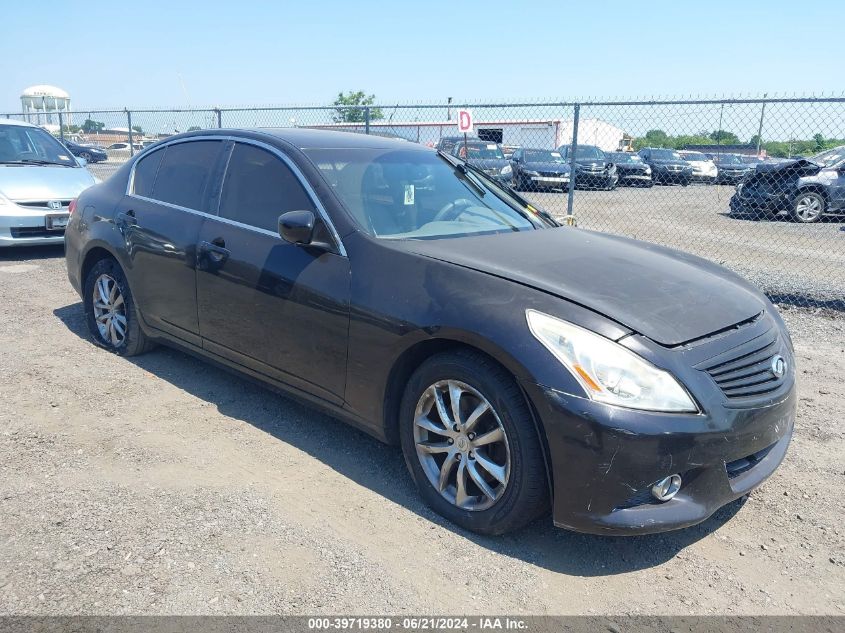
x=38, y=179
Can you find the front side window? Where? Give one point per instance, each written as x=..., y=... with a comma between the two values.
x=32, y=145
x=259, y=187
x=185, y=173
x=413, y=194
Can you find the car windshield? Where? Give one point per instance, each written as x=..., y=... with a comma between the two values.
x=625, y=157
x=24, y=144
x=413, y=194
x=588, y=152
x=665, y=154
x=728, y=159
x=830, y=157
x=475, y=151
x=543, y=156
x=694, y=156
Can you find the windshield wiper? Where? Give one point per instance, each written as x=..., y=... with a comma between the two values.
x=33, y=161
x=463, y=169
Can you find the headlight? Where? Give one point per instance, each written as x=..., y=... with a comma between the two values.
x=506, y=170
x=648, y=171
x=531, y=172
x=607, y=371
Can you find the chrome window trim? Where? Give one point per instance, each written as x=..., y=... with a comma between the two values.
x=309, y=190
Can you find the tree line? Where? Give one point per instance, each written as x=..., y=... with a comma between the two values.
x=781, y=149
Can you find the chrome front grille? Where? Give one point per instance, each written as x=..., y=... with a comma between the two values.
x=748, y=370
x=43, y=205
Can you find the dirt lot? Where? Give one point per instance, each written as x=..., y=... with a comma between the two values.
x=162, y=485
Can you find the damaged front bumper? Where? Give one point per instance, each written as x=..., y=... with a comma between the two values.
x=605, y=460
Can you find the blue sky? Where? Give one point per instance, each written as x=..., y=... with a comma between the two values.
x=162, y=54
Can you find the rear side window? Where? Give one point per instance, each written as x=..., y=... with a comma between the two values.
x=185, y=173
x=145, y=174
x=259, y=187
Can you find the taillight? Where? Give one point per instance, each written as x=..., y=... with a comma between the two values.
x=72, y=206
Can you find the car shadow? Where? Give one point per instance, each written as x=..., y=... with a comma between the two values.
x=381, y=468
x=27, y=253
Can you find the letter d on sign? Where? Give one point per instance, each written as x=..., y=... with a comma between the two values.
x=464, y=122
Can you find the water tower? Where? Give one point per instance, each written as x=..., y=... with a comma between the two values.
x=45, y=102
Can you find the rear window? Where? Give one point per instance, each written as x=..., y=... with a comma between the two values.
x=185, y=173
x=145, y=174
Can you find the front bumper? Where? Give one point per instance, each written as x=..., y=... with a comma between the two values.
x=604, y=460
x=20, y=226
x=670, y=176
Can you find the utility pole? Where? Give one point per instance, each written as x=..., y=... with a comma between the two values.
x=760, y=128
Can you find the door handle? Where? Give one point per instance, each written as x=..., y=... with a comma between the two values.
x=215, y=250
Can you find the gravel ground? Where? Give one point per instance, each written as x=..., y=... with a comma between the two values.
x=162, y=485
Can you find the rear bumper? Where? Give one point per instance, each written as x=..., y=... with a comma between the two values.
x=604, y=460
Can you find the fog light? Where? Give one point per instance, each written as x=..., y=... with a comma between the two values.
x=667, y=488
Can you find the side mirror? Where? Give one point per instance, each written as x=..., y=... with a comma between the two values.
x=297, y=227
x=81, y=161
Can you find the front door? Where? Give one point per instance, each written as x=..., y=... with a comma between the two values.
x=272, y=306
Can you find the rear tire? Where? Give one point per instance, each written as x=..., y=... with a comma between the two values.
x=513, y=490
x=110, y=310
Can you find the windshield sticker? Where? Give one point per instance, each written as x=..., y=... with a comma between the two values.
x=409, y=195
x=555, y=154
x=63, y=157
x=491, y=146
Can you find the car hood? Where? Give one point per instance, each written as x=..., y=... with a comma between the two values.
x=800, y=167
x=591, y=162
x=37, y=182
x=488, y=163
x=670, y=162
x=668, y=296
x=546, y=166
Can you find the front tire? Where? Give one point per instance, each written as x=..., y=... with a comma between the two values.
x=808, y=206
x=470, y=443
x=110, y=310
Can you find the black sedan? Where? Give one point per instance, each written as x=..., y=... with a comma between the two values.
x=519, y=364
x=667, y=166
x=91, y=153
x=487, y=157
x=631, y=169
x=732, y=169
x=593, y=168
x=535, y=169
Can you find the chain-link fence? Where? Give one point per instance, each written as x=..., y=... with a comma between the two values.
x=757, y=185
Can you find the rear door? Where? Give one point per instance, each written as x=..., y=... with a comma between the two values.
x=160, y=219
x=272, y=306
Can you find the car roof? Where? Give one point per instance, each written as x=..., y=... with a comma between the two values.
x=16, y=122
x=304, y=138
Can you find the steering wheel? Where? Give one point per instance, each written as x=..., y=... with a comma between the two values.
x=454, y=208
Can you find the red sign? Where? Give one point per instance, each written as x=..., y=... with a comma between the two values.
x=464, y=121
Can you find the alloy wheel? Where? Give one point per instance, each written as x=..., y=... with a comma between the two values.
x=109, y=310
x=808, y=207
x=461, y=445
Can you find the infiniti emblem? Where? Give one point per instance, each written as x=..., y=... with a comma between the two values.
x=778, y=366
x=54, y=204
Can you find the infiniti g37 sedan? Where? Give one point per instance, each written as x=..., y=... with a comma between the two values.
x=519, y=364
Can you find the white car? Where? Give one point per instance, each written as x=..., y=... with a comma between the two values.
x=703, y=169
x=39, y=178
x=121, y=150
